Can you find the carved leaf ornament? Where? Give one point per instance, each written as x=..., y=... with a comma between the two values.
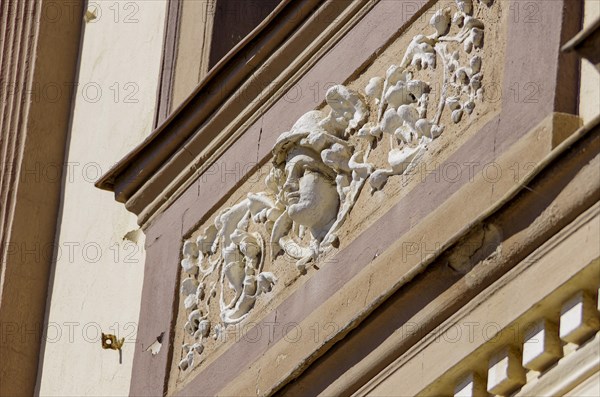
x=320, y=166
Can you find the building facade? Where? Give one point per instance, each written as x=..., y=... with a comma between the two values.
x=310, y=198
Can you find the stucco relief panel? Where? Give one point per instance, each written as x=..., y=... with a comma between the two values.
x=325, y=169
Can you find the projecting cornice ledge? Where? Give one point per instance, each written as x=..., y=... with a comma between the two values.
x=256, y=73
x=587, y=43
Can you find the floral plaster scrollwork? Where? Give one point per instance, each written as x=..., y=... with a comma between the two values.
x=319, y=168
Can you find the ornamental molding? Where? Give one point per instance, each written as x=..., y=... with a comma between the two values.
x=320, y=166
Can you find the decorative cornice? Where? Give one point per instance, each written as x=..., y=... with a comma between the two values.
x=179, y=124
x=158, y=168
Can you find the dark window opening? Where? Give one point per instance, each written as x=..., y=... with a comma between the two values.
x=233, y=20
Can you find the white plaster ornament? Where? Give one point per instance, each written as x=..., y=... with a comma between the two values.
x=319, y=170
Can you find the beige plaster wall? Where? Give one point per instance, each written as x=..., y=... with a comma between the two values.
x=97, y=280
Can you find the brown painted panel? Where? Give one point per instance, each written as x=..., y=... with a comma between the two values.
x=532, y=58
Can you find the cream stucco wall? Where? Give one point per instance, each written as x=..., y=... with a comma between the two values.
x=98, y=274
